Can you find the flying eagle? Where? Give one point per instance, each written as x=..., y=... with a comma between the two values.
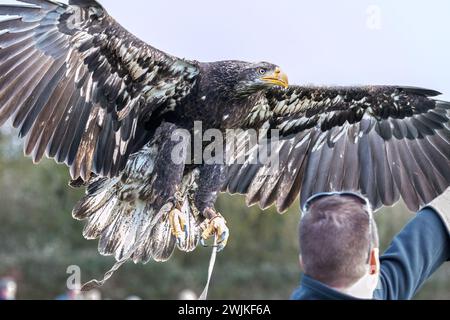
x=85, y=92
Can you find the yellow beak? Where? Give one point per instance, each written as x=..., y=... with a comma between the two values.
x=277, y=78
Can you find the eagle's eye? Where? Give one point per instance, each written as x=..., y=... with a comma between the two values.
x=262, y=71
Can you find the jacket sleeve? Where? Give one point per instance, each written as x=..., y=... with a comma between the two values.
x=442, y=207
x=416, y=253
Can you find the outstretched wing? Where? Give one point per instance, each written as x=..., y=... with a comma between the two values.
x=78, y=85
x=387, y=142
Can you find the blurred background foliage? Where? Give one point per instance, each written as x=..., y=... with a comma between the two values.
x=39, y=240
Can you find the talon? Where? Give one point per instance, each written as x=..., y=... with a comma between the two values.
x=177, y=225
x=216, y=226
x=224, y=236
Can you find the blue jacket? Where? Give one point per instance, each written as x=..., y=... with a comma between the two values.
x=414, y=255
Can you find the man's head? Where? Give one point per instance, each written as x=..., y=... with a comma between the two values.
x=8, y=289
x=339, y=240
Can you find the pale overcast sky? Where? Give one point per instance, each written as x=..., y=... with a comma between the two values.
x=322, y=42
x=345, y=42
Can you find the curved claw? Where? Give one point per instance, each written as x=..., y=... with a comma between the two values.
x=203, y=243
x=222, y=243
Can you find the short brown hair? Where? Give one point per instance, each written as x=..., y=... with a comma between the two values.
x=335, y=237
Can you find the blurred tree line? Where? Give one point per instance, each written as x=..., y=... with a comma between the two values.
x=39, y=240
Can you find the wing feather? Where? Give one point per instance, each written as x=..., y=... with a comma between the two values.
x=387, y=190
x=68, y=57
x=386, y=142
x=59, y=136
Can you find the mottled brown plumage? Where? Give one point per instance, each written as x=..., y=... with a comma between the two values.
x=86, y=92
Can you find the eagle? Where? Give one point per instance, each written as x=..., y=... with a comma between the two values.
x=85, y=92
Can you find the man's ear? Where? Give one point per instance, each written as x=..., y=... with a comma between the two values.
x=374, y=261
x=300, y=260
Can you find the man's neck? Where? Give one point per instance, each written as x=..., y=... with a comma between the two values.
x=363, y=289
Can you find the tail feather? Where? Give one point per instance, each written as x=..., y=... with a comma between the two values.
x=162, y=243
x=97, y=197
x=132, y=230
x=100, y=219
x=125, y=231
x=130, y=214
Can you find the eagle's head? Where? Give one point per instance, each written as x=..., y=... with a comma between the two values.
x=232, y=79
x=254, y=77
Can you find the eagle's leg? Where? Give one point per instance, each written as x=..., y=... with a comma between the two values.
x=177, y=224
x=209, y=184
x=184, y=218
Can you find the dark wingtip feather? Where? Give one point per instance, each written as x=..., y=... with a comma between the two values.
x=85, y=3
x=420, y=91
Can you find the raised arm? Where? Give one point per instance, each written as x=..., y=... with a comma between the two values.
x=416, y=252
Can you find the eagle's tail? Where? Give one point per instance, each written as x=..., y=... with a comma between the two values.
x=130, y=215
x=124, y=229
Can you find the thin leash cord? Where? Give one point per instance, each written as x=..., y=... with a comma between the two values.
x=212, y=263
